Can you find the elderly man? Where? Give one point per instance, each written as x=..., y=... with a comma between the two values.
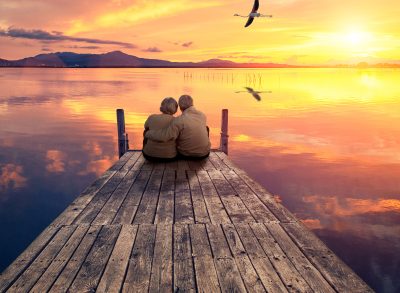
x=189, y=130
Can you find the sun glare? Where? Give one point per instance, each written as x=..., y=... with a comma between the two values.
x=357, y=37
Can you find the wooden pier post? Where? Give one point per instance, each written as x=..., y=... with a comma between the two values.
x=224, y=131
x=123, y=142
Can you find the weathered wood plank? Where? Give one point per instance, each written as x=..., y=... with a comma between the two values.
x=195, y=165
x=69, y=272
x=121, y=162
x=109, y=210
x=249, y=275
x=54, y=269
x=92, y=268
x=288, y=273
x=14, y=270
x=90, y=212
x=228, y=273
x=29, y=277
x=236, y=209
x=148, y=165
x=225, y=159
x=183, y=263
x=183, y=165
x=262, y=264
x=217, y=162
x=312, y=276
x=216, y=209
x=146, y=211
x=128, y=209
x=335, y=271
x=161, y=271
x=139, y=268
x=183, y=200
x=206, y=275
x=114, y=274
x=207, y=165
x=256, y=207
x=199, y=205
x=73, y=210
x=165, y=206
x=277, y=209
x=171, y=165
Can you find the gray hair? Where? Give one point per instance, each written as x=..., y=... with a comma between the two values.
x=169, y=106
x=185, y=101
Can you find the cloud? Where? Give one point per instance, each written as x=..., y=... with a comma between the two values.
x=11, y=177
x=83, y=47
x=187, y=44
x=55, y=36
x=55, y=161
x=152, y=49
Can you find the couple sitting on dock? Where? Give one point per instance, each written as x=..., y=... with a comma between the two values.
x=167, y=138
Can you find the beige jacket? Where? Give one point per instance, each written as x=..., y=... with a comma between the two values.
x=158, y=149
x=190, y=132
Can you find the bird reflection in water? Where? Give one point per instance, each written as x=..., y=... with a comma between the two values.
x=255, y=94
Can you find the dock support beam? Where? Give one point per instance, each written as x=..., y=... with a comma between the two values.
x=224, y=132
x=123, y=142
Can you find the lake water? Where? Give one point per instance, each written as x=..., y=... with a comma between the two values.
x=326, y=142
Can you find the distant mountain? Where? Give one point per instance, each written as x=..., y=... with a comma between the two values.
x=120, y=59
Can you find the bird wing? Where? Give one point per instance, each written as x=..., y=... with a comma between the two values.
x=249, y=89
x=249, y=21
x=257, y=96
x=255, y=6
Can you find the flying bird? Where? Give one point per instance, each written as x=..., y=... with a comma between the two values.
x=255, y=94
x=254, y=13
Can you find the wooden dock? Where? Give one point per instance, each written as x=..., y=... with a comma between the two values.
x=201, y=226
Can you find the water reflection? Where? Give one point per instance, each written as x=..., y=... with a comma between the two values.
x=325, y=143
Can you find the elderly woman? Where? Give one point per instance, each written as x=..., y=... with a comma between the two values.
x=160, y=151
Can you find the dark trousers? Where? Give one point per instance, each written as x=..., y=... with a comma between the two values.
x=161, y=160
x=191, y=158
x=178, y=157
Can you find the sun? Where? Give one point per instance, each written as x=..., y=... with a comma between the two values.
x=356, y=38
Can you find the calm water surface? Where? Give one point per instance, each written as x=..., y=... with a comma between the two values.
x=326, y=142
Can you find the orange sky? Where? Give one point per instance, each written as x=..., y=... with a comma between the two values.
x=301, y=31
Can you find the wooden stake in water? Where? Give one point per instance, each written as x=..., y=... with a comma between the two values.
x=123, y=143
x=224, y=131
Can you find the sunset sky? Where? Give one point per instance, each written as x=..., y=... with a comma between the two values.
x=301, y=32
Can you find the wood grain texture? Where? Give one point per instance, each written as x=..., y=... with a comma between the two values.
x=161, y=271
x=59, y=262
x=146, y=211
x=310, y=274
x=90, y=212
x=69, y=272
x=165, y=207
x=139, y=269
x=337, y=273
x=228, y=274
x=268, y=274
x=114, y=274
x=265, y=243
x=92, y=268
x=199, y=205
x=251, y=279
x=128, y=208
x=206, y=275
x=183, y=201
x=215, y=207
x=29, y=277
x=17, y=267
x=183, y=264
